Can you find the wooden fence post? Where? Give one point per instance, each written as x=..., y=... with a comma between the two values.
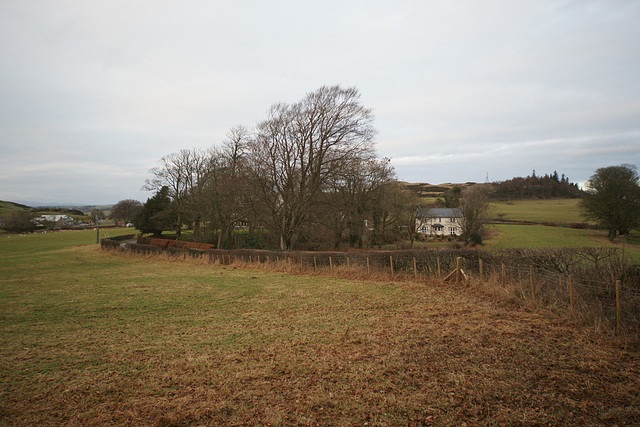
x=330, y=264
x=618, y=307
x=439, y=275
x=458, y=269
x=533, y=283
x=391, y=263
x=572, y=294
x=315, y=265
x=415, y=269
x=368, y=268
x=504, y=276
x=481, y=270
x=348, y=265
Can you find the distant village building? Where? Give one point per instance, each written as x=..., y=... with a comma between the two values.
x=55, y=219
x=439, y=221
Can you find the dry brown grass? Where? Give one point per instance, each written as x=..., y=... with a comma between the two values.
x=118, y=340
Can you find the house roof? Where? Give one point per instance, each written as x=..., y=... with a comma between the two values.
x=55, y=217
x=439, y=213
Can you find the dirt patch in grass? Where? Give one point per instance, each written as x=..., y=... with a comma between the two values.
x=145, y=342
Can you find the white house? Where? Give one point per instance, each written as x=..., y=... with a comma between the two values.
x=439, y=221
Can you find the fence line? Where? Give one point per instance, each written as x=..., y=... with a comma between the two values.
x=615, y=299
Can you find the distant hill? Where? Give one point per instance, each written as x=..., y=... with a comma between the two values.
x=9, y=208
x=531, y=187
x=549, y=186
x=423, y=189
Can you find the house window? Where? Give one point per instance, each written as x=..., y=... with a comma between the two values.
x=452, y=230
x=425, y=229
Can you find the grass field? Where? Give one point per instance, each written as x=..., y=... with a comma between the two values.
x=560, y=211
x=94, y=338
x=540, y=236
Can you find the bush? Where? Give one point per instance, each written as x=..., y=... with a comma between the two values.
x=474, y=239
x=259, y=240
x=19, y=222
x=580, y=225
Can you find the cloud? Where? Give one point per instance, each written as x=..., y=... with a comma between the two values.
x=459, y=89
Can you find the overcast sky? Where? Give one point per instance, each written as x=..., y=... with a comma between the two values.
x=93, y=94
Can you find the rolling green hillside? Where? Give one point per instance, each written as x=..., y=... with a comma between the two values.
x=9, y=208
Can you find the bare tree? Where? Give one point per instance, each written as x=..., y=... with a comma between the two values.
x=355, y=195
x=19, y=222
x=404, y=205
x=474, y=202
x=125, y=210
x=98, y=214
x=181, y=173
x=229, y=196
x=300, y=147
x=197, y=164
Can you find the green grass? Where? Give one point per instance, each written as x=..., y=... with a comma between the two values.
x=99, y=338
x=540, y=236
x=560, y=211
x=7, y=209
x=429, y=200
x=15, y=246
x=503, y=236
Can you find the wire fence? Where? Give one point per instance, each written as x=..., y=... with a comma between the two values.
x=571, y=285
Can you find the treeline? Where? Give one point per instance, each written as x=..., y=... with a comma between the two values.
x=534, y=186
x=306, y=177
x=59, y=211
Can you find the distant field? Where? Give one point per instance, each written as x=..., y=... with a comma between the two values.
x=561, y=211
x=538, y=236
x=429, y=200
x=32, y=244
x=95, y=338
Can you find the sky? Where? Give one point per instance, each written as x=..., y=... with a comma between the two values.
x=93, y=94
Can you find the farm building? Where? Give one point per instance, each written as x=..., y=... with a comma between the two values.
x=439, y=221
x=55, y=219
